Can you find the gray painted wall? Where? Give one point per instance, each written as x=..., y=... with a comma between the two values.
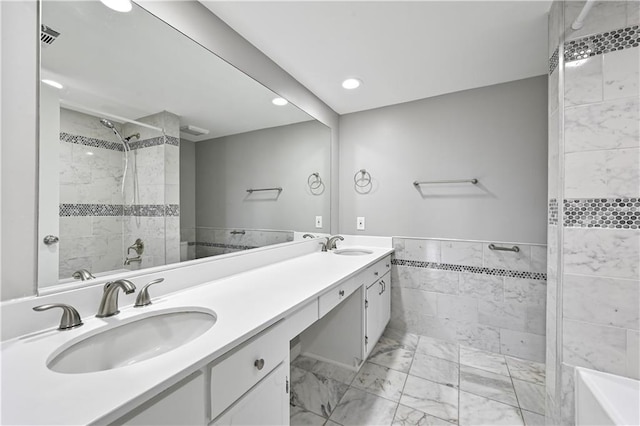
x=281, y=156
x=187, y=184
x=497, y=134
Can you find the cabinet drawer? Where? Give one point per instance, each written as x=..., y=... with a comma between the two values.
x=376, y=271
x=234, y=375
x=330, y=299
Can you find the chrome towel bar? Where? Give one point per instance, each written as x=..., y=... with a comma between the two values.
x=498, y=248
x=473, y=181
x=250, y=190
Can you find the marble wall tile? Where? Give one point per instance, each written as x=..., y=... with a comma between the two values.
x=603, y=16
x=554, y=90
x=605, y=125
x=73, y=227
x=172, y=194
x=484, y=287
x=583, y=81
x=538, y=259
x=406, y=299
x=171, y=165
x=633, y=13
x=567, y=399
x=524, y=291
x=437, y=281
x=512, y=316
x=105, y=225
x=476, y=410
x=478, y=335
x=417, y=323
x=602, y=252
x=522, y=345
x=556, y=25
x=594, y=346
x=621, y=72
x=462, y=253
x=530, y=395
x=358, y=407
x=553, y=161
x=82, y=247
x=417, y=249
x=432, y=398
x=633, y=354
x=529, y=371
x=520, y=261
x=109, y=262
x=406, y=416
x=600, y=300
x=68, y=266
x=484, y=360
x=457, y=307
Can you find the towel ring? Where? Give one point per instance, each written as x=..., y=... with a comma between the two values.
x=364, y=180
x=314, y=181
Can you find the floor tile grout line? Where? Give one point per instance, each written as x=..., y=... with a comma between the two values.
x=515, y=392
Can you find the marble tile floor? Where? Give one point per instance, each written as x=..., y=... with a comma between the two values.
x=417, y=380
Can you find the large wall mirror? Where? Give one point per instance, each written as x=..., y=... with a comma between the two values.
x=153, y=150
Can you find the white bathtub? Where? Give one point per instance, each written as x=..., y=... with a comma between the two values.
x=606, y=399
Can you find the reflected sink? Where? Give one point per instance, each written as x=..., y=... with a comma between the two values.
x=352, y=252
x=134, y=341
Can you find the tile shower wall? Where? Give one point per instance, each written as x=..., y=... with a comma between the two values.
x=464, y=292
x=98, y=223
x=593, y=316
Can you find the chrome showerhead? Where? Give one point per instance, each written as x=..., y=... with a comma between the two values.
x=109, y=125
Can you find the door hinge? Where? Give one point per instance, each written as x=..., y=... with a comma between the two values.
x=366, y=340
x=366, y=304
x=287, y=384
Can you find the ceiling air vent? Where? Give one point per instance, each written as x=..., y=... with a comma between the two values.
x=193, y=130
x=48, y=35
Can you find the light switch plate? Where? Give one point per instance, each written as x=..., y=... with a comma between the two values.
x=360, y=223
x=318, y=221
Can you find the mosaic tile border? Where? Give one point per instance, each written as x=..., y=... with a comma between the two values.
x=117, y=146
x=143, y=210
x=598, y=44
x=473, y=269
x=553, y=212
x=553, y=60
x=223, y=245
x=609, y=213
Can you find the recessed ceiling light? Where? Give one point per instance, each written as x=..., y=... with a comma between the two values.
x=53, y=83
x=280, y=101
x=351, y=83
x=118, y=5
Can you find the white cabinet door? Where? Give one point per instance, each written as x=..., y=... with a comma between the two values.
x=378, y=310
x=267, y=403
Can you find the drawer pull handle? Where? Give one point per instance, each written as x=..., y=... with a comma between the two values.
x=387, y=265
x=341, y=293
x=382, y=288
x=375, y=273
x=259, y=364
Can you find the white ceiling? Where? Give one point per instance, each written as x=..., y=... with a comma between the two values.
x=402, y=51
x=133, y=65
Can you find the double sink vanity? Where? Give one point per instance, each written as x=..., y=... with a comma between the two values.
x=215, y=352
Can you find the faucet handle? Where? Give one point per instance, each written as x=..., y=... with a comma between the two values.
x=143, y=298
x=70, y=317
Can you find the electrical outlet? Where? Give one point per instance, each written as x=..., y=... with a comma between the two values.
x=318, y=221
x=360, y=223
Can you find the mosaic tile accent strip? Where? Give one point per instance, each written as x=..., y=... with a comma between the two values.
x=553, y=212
x=117, y=146
x=223, y=245
x=96, y=143
x=472, y=269
x=553, y=61
x=610, y=213
x=147, y=210
x=598, y=44
x=67, y=210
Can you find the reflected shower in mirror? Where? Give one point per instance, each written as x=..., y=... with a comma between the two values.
x=149, y=145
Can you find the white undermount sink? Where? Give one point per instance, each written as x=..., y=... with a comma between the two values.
x=136, y=340
x=352, y=252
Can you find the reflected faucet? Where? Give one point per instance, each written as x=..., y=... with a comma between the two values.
x=109, y=303
x=82, y=274
x=331, y=242
x=308, y=236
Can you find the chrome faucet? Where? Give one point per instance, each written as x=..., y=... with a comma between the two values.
x=129, y=260
x=82, y=274
x=331, y=242
x=109, y=303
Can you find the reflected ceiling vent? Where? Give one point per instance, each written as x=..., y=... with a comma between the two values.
x=193, y=130
x=48, y=35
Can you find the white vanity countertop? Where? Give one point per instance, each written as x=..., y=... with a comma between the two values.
x=245, y=304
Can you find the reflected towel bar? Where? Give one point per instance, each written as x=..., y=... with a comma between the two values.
x=473, y=181
x=235, y=232
x=495, y=247
x=250, y=190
